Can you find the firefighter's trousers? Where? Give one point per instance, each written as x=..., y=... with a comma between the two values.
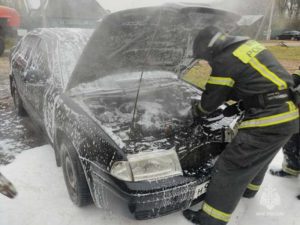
x=242, y=165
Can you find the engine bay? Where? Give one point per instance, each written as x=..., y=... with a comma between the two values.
x=163, y=120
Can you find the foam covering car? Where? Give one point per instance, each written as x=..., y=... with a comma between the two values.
x=116, y=111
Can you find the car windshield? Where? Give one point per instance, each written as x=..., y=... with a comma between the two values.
x=70, y=46
x=149, y=39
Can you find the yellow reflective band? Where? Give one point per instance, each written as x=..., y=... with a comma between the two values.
x=290, y=171
x=291, y=105
x=253, y=187
x=264, y=71
x=217, y=214
x=225, y=81
x=247, y=54
x=271, y=120
x=248, y=51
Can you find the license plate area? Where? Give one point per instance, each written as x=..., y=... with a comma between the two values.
x=200, y=189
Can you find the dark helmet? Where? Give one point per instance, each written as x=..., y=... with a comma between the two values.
x=211, y=40
x=202, y=42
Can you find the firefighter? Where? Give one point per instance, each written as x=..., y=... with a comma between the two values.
x=291, y=163
x=245, y=71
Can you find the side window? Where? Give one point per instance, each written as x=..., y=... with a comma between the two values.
x=38, y=69
x=21, y=57
x=29, y=46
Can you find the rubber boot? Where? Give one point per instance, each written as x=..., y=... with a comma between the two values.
x=193, y=216
x=280, y=173
x=201, y=218
x=249, y=193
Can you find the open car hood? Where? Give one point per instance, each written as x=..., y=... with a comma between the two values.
x=147, y=47
x=151, y=38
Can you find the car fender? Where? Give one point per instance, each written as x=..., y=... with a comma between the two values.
x=92, y=145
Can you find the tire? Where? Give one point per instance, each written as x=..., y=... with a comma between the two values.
x=74, y=176
x=17, y=100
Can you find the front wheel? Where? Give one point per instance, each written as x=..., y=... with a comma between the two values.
x=74, y=176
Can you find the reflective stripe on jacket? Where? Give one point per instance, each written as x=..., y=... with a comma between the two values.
x=247, y=69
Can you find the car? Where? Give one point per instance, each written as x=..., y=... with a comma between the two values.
x=117, y=112
x=289, y=35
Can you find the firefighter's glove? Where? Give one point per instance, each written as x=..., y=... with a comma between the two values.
x=195, y=110
x=198, y=116
x=217, y=113
x=234, y=109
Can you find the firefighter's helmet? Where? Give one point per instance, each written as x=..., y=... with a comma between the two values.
x=203, y=40
x=211, y=40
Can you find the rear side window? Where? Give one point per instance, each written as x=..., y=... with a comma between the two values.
x=23, y=53
x=38, y=63
x=28, y=47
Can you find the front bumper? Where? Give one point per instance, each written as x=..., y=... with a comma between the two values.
x=162, y=202
x=147, y=199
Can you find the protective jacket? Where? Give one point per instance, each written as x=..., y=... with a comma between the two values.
x=243, y=69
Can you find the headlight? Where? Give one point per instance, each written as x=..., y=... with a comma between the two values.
x=148, y=166
x=121, y=170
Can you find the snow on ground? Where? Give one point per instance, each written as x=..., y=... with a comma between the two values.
x=43, y=199
x=17, y=133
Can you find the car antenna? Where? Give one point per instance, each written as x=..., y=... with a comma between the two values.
x=133, y=123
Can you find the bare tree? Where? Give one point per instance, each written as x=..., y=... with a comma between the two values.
x=281, y=5
x=291, y=8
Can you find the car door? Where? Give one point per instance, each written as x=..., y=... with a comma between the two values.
x=37, y=80
x=19, y=63
x=52, y=94
x=60, y=58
